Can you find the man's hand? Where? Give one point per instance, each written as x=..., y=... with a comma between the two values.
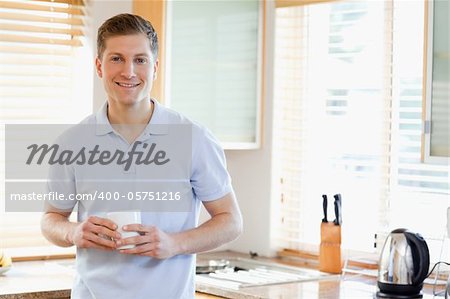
x=152, y=242
x=95, y=232
x=224, y=226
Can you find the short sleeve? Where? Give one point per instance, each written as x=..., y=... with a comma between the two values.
x=210, y=179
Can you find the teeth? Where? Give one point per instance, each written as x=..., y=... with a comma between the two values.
x=127, y=85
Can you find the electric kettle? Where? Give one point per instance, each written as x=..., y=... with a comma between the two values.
x=403, y=265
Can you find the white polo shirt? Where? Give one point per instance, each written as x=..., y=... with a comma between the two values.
x=105, y=275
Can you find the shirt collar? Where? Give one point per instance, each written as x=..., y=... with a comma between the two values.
x=159, y=118
x=103, y=126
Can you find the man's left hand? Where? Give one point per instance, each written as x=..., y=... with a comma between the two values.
x=151, y=242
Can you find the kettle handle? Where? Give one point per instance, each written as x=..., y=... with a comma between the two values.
x=417, y=241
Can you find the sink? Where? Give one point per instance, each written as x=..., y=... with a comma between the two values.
x=244, y=273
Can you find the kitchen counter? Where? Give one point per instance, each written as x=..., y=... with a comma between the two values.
x=37, y=279
x=349, y=286
x=53, y=279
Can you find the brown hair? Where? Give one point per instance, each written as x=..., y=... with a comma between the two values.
x=126, y=24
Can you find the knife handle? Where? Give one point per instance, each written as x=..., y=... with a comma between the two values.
x=336, y=212
x=338, y=209
x=338, y=197
x=325, y=206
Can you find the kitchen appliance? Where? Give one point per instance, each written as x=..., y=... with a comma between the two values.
x=403, y=266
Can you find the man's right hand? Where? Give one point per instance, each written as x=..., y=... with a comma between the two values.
x=95, y=232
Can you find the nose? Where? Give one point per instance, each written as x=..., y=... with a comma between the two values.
x=128, y=70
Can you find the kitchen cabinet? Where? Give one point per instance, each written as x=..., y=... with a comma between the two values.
x=213, y=66
x=436, y=82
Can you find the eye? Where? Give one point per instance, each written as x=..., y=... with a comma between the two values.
x=116, y=59
x=141, y=60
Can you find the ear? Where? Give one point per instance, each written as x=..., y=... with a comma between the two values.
x=155, y=69
x=98, y=66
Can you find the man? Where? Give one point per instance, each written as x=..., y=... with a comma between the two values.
x=162, y=263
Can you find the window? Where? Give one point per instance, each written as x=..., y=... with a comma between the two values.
x=348, y=106
x=43, y=67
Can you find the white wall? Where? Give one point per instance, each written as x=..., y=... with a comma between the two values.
x=250, y=169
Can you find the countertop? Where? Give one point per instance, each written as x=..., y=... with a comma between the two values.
x=53, y=279
x=348, y=286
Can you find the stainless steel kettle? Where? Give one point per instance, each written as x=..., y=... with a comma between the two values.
x=403, y=265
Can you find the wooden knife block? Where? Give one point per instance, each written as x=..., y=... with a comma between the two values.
x=330, y=248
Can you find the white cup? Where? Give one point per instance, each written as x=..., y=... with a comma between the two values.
x=124, y=218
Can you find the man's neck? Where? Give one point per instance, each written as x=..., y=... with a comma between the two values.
x=139, y=113
x=130, y=121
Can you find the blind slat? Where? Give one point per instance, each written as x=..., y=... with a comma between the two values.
x=32, y=60
x=38, y=40
x=33, y=71
x=33, y=82
x=72, y=2
x=39, y=7
x=33, y=50
x=40, y=29
x=33, y=18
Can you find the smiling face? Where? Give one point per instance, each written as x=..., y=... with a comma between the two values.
x=127, y=69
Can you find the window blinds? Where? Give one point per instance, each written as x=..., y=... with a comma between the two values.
x=37, y=40
x=348, y=120
x=40, y=53
x=42, y=22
